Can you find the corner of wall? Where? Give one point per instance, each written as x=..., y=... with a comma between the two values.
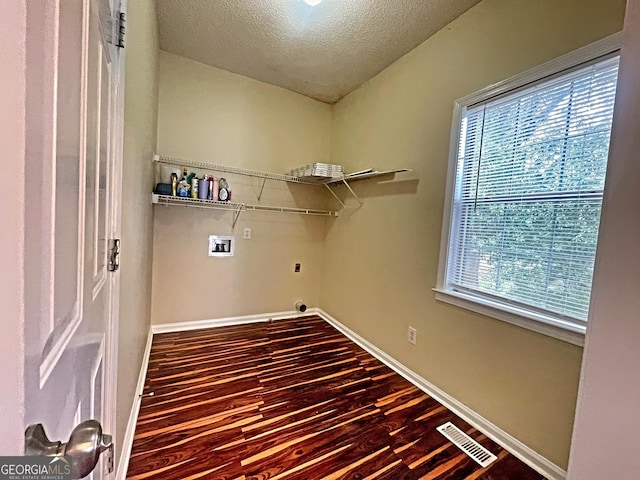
x=214, y=116
x=140, y=138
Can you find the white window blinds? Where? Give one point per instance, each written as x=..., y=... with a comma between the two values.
x=528, y=192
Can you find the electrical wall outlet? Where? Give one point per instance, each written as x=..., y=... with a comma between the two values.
x=412, y=335
x=296, y=269
x=247, y=233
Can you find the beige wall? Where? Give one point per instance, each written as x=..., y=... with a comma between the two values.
x=140, y=117
x=381, y=261
x=214, y=116
x=609, y=389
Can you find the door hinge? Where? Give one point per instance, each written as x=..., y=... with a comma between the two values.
x=122, y=18
x=108, y=460
x=114, y=257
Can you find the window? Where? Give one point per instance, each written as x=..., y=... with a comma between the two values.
x=526, y=195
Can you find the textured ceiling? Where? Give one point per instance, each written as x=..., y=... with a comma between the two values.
x=324, y=51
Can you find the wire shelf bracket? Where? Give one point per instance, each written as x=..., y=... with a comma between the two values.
x=264, y=180
x=236, y=216
x=352, y=192
x=334, y=195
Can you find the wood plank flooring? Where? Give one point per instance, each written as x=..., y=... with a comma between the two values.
x=294, y=400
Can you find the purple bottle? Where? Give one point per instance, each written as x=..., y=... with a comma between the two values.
x=203, y=188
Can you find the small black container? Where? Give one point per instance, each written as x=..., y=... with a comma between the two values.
x=163, y=189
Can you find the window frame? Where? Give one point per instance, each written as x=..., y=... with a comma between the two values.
x=556, y=327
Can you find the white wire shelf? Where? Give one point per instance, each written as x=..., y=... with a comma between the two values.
x=235, y=207
x=229, y=169
x=350, y=177
x=194, y=202
x=327, y=183
x=370, y=173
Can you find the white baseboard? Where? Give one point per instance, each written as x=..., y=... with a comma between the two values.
x=127, y=441
x=524, y=453
x=521, y=451
x=223, y=322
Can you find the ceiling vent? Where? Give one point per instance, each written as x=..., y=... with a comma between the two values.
x=467, y=444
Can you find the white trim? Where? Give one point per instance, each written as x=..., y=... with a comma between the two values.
x=94, y=374
x=97, y=287
x=222, y=322
x=127, y=441
x=553, y=327
x=49, y=131
x=600, y=48
x=447, y=219
x=550, y=326
x=50, y=360
x=94, y=377
x=518, y=449
x=509, y=443
x=113, y=230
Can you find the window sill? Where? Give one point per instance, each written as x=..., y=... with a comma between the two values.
x=535, y=322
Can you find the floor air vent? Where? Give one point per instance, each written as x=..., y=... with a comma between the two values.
x=467, y=444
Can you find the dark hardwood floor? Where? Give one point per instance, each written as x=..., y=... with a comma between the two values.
x=293, y=399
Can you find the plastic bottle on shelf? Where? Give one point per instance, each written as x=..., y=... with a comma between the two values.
x=223, y=191
x=194, y=187
x=183, y=185
x=203, y=188
x=216, y=189
x=174, y=184
x=210, y=187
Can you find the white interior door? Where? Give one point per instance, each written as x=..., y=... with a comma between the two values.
x=72, y=170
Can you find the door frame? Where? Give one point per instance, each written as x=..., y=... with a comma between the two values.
x=609, y=390
x=12, y=149
x=114, y=231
